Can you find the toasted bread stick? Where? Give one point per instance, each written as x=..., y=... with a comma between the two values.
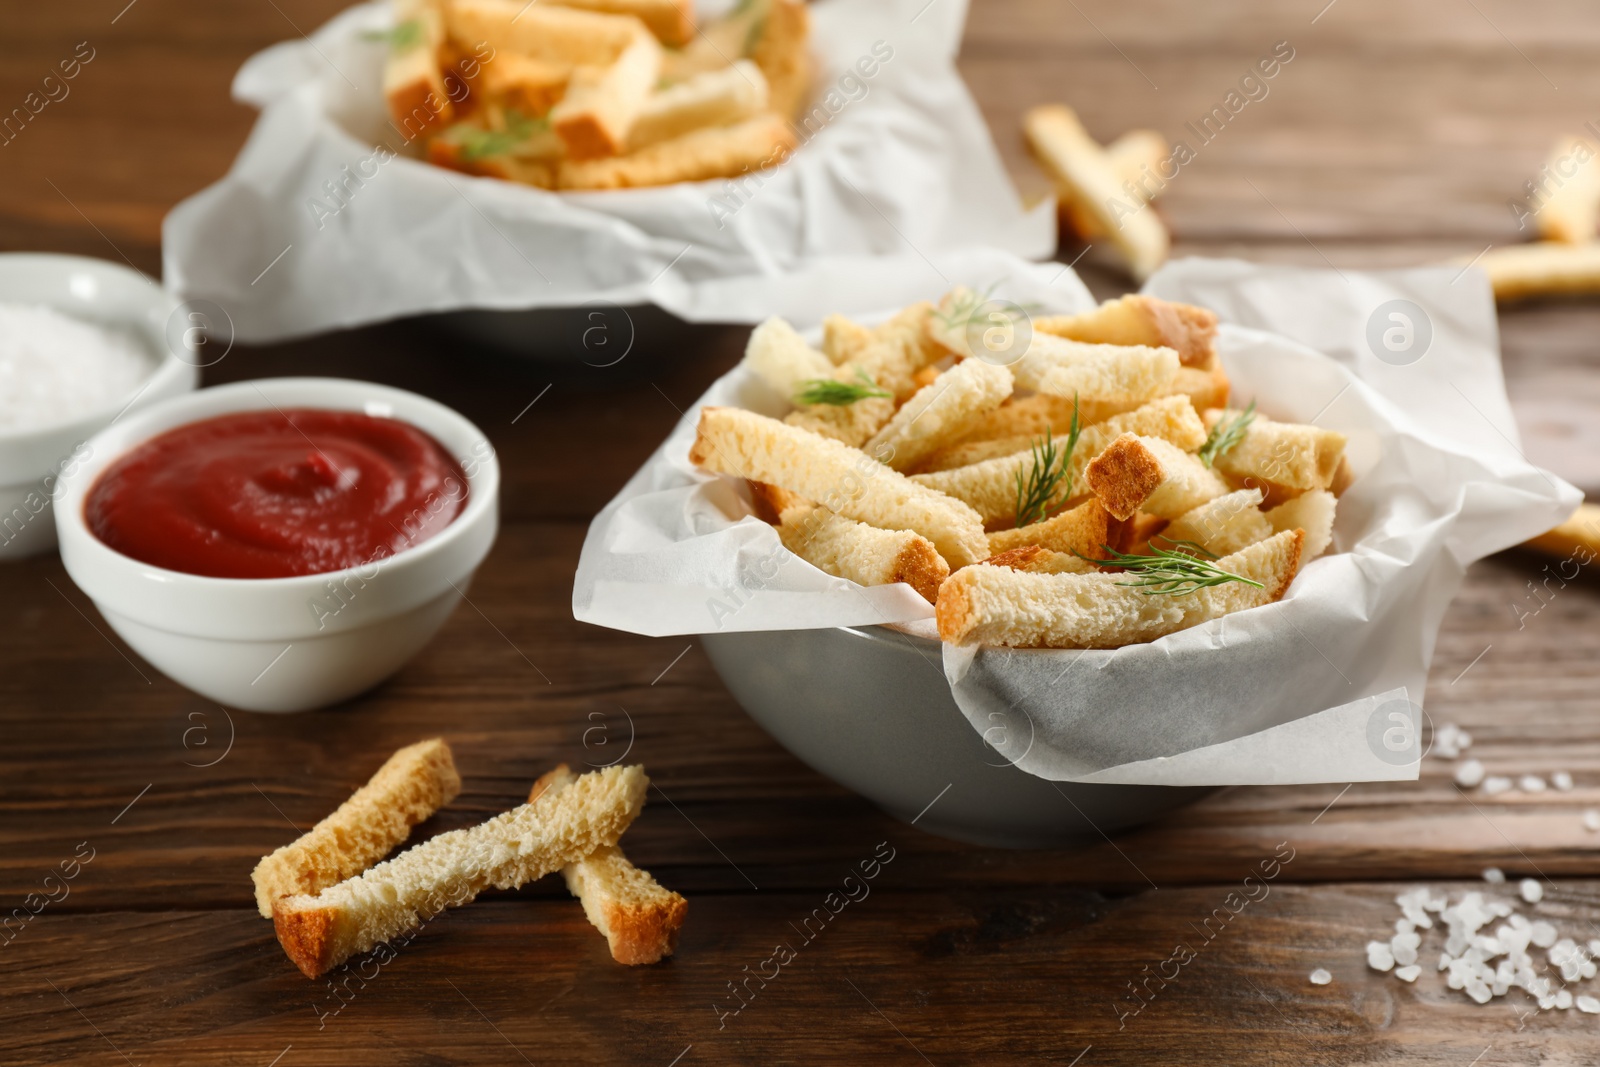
x=1072, y=159
x=715, y=152
x=640, y=919
x=1142, y=320
x=1001, y=606
x=845, y=480
x=672, y=21
x=1137, y=473
x=319, y=932
x=411, y=785
x=863, y=554
x=595, y=117
x=715, y=98
x=1542, y=268
x=939, y=412
x=1291, y=455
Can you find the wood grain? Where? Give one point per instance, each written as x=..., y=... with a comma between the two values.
x=1395, y=137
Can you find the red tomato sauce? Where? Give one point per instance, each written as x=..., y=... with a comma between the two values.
x=273, y=494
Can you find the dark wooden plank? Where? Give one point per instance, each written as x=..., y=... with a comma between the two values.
x=1036, y=975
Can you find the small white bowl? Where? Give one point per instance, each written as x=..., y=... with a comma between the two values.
x=106, y=294
x=285, y=644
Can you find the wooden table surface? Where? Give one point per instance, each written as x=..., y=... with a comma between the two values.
x=1396, y=136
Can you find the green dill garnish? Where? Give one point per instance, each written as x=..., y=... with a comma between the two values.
x=1226, y=434
x=964, y=305
x=832, y=391
x=479, y=143
x=1178, y=571
x=403, y=37
x=1037, y=491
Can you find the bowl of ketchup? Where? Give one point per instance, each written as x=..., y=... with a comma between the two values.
x=282, y=544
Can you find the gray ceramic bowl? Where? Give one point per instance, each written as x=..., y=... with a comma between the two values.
x=870, y=708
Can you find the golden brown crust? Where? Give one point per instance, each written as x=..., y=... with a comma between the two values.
x=411, y=785
x=921, y=567
x=771, y=501
x=642, y=930
x=954, y=611
x=1124, y=476
x=1016, y=558
x=307, y=938
x=1287, y=575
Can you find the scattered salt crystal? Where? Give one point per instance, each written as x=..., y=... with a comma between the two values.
x=1531, y=890
x=1562, y=781
x=1588, y=970
x=1403, y=947
x=1445, y=741
x=1591, y=820
x=1379, y=956
x=1469, y=774
x=1444, y=960
x=1408, y=973
x=1320, y=976
x=1564, y=999
x=1494, y=874
x=1543, y=934
x=1478, y=990
x=1588, y=1004
x=1463, y=739
x=1494, y=785
x=1546, y=1003
x=1531, y=783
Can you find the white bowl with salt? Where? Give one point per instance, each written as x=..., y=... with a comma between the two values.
x=82, y=342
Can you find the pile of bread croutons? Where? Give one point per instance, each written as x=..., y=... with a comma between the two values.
x=329, y=897
x=1082, y=485
x=597, y=94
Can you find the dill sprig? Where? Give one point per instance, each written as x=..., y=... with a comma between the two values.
x=832, y=391
x=1226, y=434
x=1178, y=571
x=403, y=37
x=1037, y=491
x=478, y=143
x=964, y=306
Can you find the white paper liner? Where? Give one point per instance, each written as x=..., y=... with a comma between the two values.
x=901, y=165
x=1304, y=690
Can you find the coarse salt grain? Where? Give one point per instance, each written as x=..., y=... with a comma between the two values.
x=1494, y=875
x=1564, y=999
x=1588, y=1004
x=1531, y=783
x=1562, y=781
x=1320, y=976
x=1379, y=957
x=1408, y=973
x=55, y=368
x=1531, y=890
x=1591, y=820
x=1495, y=784
x=1469, y=774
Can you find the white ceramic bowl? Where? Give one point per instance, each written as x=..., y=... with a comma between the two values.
x=285, y=644
x=105, y=294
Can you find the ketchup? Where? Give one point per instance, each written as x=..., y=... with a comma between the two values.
x=273, y=494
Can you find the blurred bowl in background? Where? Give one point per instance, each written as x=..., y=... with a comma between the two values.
x=103, y=294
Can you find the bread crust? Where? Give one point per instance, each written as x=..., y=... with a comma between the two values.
x=1146, y=473
x=411, y=785
x=861, y=553
x=639, y=918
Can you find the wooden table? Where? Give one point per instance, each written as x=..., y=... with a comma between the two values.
x=1396, y=136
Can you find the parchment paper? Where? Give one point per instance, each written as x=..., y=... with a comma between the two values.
x=1325, y=685
x=898, y=164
